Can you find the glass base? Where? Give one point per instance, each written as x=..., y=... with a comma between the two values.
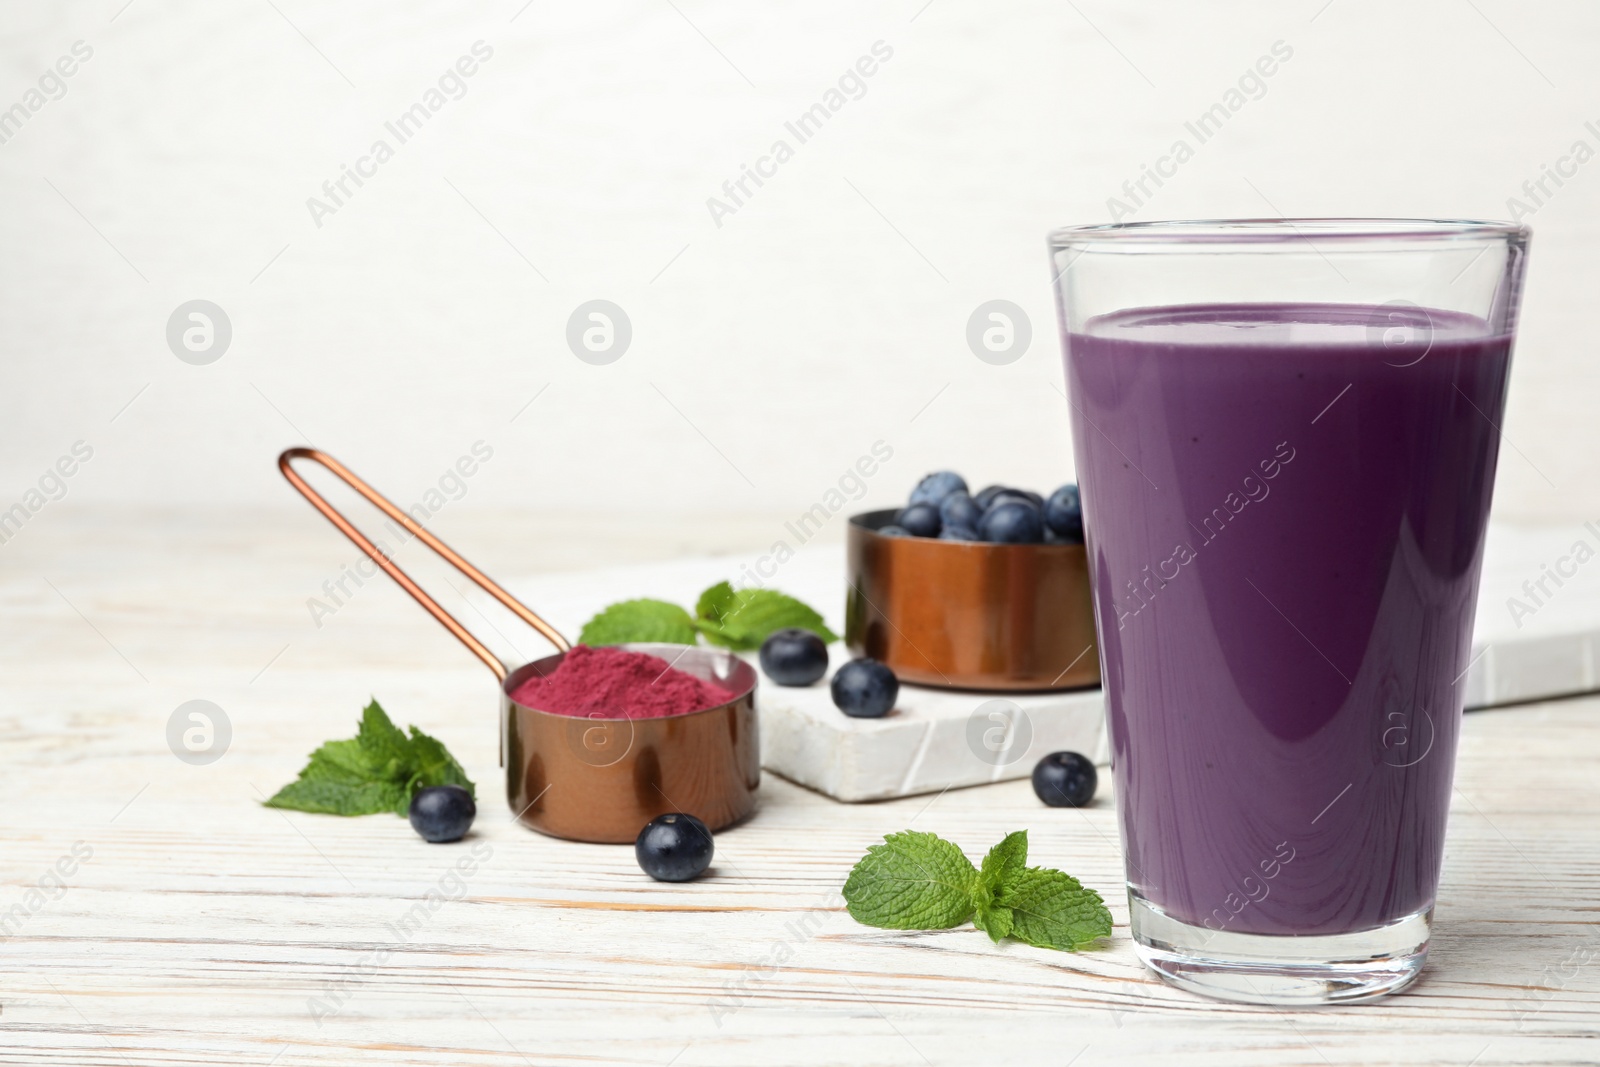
x=1289, y=971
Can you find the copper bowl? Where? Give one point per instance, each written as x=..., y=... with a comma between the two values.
x=968, y=614
x=587, y=779
x=600, y=779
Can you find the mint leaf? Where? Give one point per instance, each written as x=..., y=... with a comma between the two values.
x=639, y=620
x=744, y=618
x=913, y=881
x=993, y=919
x=432, y=764
x=341, y=761
x=1052, y=910
x=380, y=769
x=382, y=743
x=715, y=602
x=1004, y=862
x=340, y=798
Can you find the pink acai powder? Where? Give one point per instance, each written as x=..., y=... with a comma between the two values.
x=613, y=683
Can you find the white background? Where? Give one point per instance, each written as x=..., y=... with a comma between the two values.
x=767, y=354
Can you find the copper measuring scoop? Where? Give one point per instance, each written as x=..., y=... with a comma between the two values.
x=587, y=779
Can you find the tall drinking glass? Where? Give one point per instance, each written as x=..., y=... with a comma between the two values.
x=1286, y=434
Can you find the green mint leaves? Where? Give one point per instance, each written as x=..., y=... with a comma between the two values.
x=378, y=770
x=918, y=881
x=739, y=619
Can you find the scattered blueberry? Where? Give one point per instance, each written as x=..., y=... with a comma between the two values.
x=674, y=847
x=936, y=486
x=794, y=657
x=442, y=812
x=959, y=533
x=986, y=495
x=893, y=531
x=919, y=520
x=1065, y=780
x=1063, y=513
x=865, y=689
x=1012, y=522
x=959, y=509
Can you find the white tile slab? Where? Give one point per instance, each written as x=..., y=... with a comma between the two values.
x=934, y=739
x=1537, y=631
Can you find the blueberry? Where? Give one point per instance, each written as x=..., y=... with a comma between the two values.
x=794, y=657
x=919, y=520
x=959, y=509
x=986, y=495
x=936, y=486
x=1065, y=496
x=442, y=812
x=1063, y=513
x=865, y=689
x=1065, y=780
x=959, y=533
x=1012, y=522
x=892, y=530
x=674, y=847
x=1020, y=496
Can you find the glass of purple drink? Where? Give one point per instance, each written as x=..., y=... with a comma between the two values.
x=1286, y=434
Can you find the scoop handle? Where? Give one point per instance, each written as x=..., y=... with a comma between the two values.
x=450, y=556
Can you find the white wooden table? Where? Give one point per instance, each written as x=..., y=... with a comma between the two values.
x=203, y=926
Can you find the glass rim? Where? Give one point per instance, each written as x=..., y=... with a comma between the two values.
x=1256, y=232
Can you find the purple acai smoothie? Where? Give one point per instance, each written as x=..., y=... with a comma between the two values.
x=1286, y=510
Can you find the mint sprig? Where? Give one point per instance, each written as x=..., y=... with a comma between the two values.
x=739, y=619
x=380, y=769
x=919, y=881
